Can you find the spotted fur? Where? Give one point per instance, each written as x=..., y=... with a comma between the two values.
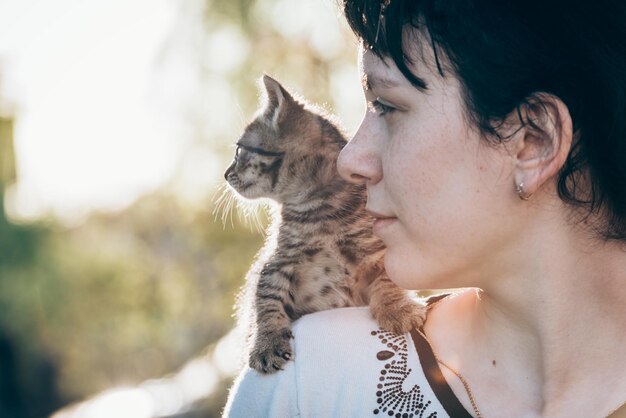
x=320, y=252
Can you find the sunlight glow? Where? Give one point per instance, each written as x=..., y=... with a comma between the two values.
x=87, y=135
x=230, y=46
x=153, y=398
x=228, y=353
x=119, y=403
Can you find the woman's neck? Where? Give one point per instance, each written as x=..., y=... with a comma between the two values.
x=551, y=332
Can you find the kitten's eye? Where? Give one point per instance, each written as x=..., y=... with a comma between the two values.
x=380, y=108
x=237, y=151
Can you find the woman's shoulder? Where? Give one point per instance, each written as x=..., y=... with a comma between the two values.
x=344, y=365
x=345, y=323
x=341, y=323
x=335, y=342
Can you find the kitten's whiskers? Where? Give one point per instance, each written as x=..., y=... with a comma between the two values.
x=252, y=214
x=224, y=205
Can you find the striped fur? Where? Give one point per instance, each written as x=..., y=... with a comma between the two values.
x=320, y=252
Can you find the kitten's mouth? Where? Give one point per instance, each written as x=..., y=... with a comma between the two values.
x=237, y=184
x=242, y=187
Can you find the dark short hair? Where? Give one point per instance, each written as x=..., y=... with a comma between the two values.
x=505, y=53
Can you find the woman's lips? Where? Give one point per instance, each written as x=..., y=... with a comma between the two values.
x=378, y=215
x=381, y=221
x=380, y=224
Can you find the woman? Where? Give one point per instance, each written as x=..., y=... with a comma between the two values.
x=494, y=154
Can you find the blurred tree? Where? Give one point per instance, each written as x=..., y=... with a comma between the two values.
x=27, y=374
x=7, y=154
x=17, y=243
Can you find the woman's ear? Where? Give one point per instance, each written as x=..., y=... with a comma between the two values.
x=542, y=142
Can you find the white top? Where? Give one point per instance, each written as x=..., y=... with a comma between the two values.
x=346, y=366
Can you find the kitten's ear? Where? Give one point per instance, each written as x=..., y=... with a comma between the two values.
x=278, y=101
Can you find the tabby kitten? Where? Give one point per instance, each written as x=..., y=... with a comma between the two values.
x=320, y=253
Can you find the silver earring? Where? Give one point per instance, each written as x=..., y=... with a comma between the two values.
x=520, y=191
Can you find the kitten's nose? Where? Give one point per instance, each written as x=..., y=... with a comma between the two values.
x=229, y=170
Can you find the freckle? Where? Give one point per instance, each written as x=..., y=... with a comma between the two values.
x=493, y=362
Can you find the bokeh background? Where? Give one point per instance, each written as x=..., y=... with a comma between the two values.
x=118, y=269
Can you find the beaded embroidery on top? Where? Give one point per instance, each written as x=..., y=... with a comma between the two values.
x=391, y=396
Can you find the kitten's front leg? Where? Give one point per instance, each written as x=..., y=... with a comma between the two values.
x=272, y=345
x=392, y=307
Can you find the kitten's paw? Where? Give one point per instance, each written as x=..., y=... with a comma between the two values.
x=271, y=351
x=400, y=318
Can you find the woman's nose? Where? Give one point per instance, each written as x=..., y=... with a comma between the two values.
x=359, y=161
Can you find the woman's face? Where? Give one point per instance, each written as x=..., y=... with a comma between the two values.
x=440, y=194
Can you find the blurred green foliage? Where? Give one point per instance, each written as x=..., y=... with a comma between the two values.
x=120, y=299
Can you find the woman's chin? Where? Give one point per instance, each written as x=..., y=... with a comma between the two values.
x=411, y=274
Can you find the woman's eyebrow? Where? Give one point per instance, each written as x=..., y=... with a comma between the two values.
x=371, y=81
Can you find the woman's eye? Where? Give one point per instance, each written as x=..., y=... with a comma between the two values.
x=380, y=108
